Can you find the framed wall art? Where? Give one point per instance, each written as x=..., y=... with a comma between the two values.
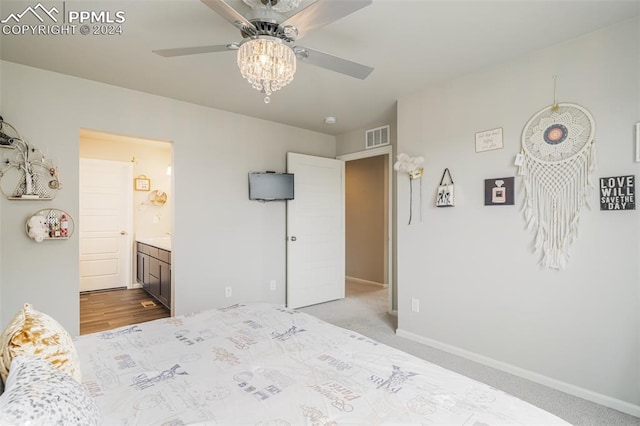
x=618, y=193
x=489, y=140
x=638, y=142
x=142, y=183
x=499, y=191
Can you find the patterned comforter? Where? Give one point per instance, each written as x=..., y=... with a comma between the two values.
x=262, y=364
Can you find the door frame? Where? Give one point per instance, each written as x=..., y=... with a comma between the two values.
x=388, y=152
x=131, y=279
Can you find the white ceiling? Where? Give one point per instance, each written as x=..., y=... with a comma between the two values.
x=411, y=44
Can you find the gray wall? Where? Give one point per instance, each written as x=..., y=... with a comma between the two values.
x=482, y=293
x=220, y=237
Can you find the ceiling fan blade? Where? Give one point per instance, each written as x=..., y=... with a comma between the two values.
x=321, y=13
x=183, y=51
x=230, y=14
x=333, y=63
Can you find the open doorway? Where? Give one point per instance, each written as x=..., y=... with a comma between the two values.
x=126, y=195
x=368, y=222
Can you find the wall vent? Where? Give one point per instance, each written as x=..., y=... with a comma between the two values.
x=377, y=137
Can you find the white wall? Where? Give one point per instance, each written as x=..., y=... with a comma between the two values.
x=481, y=290
x=220, y=237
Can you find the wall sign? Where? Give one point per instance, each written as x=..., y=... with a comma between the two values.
x=499, y=192
x=618, y=193
x=489, y=140
x=142, y=183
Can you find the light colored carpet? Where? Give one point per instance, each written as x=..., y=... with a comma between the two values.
x=365, y=310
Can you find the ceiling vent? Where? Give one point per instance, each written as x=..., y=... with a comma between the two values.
x=377, y=137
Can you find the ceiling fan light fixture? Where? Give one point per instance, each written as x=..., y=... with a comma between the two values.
x=267, y=63
x=277, y=5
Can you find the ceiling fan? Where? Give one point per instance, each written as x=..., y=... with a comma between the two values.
x=268, y=53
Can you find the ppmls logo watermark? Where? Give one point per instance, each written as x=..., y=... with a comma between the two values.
x=57, y=20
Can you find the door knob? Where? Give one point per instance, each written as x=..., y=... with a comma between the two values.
x=123, y=232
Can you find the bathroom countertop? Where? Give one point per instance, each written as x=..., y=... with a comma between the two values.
x=160, y=242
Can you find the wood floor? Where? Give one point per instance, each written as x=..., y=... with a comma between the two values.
x=105, y=310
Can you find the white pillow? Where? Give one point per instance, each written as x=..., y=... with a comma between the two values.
x=31, y=332
x=37, y=393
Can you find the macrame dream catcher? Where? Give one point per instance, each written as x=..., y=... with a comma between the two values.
x=558, y=157
x=411, y=165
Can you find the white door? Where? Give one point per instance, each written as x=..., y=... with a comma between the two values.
x=105, y=223
x=315, y=231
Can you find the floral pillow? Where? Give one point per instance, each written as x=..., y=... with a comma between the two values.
x=37, y=393
x=33, y=333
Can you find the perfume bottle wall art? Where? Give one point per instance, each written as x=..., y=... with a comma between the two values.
x=499, y=192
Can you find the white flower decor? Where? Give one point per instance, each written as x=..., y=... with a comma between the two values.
x=411, y=165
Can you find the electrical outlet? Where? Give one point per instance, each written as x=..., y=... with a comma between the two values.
x=227, y=291
x=272, y=285
x=415, y=304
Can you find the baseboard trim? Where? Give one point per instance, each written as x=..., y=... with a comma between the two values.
x=361, y=281
x=565, y=387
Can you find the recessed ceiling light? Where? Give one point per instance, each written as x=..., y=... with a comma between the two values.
x=330, y=120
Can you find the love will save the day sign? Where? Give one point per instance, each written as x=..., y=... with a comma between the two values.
x=618, y=193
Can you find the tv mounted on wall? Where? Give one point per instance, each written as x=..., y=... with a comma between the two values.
x=270, y=186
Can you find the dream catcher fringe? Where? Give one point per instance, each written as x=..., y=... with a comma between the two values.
x=559, y=158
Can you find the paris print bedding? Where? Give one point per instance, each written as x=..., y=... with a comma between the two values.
x=262, y=364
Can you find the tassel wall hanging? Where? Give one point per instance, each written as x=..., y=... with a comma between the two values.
x=558, y=157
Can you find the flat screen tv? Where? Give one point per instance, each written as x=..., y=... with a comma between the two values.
x=270, y=186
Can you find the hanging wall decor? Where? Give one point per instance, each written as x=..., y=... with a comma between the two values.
x=25, y=173
x=618, y=193
x=142, y=183
x=411, y=165
x=158, y=197
x=499, y=192
x=638, y=142
x=444, y=197
x=50, y=224
x=489, y=140
x=557, y=160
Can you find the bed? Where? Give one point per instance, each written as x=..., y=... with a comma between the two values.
x=263, y=364
x=253, y=364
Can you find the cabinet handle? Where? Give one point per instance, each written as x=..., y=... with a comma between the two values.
x=293, y=238
x=123, y=232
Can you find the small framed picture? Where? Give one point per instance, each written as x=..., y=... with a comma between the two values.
x=142, y=183
x=499, y=192
x=489, y=140
x=638, y=142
